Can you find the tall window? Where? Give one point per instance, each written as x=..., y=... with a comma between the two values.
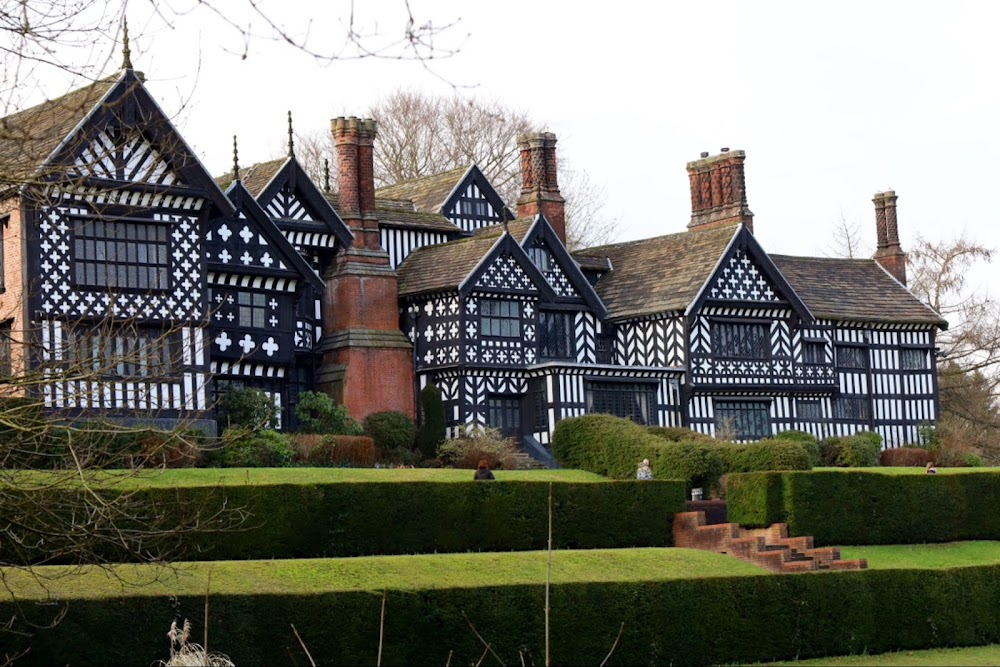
x=631, y=400
x=128, y=255
x=500, y=319
x=555, y=335
x=737, y=340
x=852, y=357
x=539, y=256
x=853, y=409
x=504, y=414
x=124, y=353
x=913, y=359
x=745, y=420
x=5, y=349
x=813, y=352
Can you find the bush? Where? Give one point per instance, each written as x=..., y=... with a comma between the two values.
x=344, y=450
x=432, y=427
x=613, y=446
x=678, y=434
x=390, y=430
x=249, y=409
x=474, y=446
x=807, y=440
x=870, y=506
x=861, y=450
x=780, y=454
x=256, y=449
x=905, y=456
x=973, y=461
x=317, y=413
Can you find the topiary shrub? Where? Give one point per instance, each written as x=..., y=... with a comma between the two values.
x=390, y=430
x=678, y=434
x=317, y=413
x=861, y=450
x=807, y=440
x=764, y=455
x=249, y=409
x=905, y=456
x=699, y=464
x=256, y=449
x=471, y=447
x=432, y=426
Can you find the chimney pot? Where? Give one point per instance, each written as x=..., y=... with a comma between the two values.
x=724, y=149
x=704, y=154
x=718, y=191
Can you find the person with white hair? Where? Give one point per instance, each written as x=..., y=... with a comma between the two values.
x=645, y=472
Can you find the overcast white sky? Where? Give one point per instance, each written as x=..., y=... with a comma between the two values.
x=831, y=101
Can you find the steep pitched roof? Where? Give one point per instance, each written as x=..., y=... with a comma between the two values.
x=442, y=267
x=517, y=228
x=428, y=193
x=661, y=274
x=399, y=213
x=858, y=290
x=30, y=137
x=255, y=177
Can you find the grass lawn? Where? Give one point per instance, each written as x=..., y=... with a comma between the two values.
x=971, y=655
x=264, y=476
x=375, y=573
x=926, y=556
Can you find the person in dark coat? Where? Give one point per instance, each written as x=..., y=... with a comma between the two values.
x=483, y=472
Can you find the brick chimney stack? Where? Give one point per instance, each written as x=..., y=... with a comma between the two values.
x=887, y=251
x=719, y=191
x=540, y=182
x=367, y=361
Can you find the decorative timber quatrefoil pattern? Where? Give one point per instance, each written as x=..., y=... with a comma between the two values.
x=740, y=280
x=60, y=296
x=506, y=273
x=239, y=244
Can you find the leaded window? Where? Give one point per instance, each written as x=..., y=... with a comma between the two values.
x=913, y=359
x=500, y=319
x=252, y=308
x=555, y=335
x=605, y=348
x=121, y=254
x=813, y=352
x=852, y=357
x=739, y=340
x=539, y=406
x=504, y=414
x=124, y=352
x=808, y=409
x=539, y=256
x=852, y=409
x=630, y=400
x=744, y=420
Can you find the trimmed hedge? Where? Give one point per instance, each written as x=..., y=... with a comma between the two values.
x=360, y=519
x=861, y=450
x=764, y=455
x=721, y=620
x=870, y=507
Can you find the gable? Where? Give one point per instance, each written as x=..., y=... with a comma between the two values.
x=507, y=269
x=547, y=252
x=126, y=142
x=301, y=210
x=474, y=204
x=746, y=275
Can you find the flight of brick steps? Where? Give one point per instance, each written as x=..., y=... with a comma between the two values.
x=525, y=462
x=770, y=548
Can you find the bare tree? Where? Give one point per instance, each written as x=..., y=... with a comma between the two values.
x=421, y=135
x=848, y=239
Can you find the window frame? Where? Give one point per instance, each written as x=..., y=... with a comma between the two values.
x=859, y=349
x=911, y=353
x=104, y=250
x=816, y=347
x=125, y=352
x=494, y=324
x=559, y=323
x=740, y=412
x=719, y=325
x=603, y=393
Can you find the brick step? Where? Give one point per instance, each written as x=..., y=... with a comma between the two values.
x=524, y=461
x=770, y=547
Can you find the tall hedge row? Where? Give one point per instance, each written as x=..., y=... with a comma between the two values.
x=870, y=507
x=680, y=622
x=360, y=519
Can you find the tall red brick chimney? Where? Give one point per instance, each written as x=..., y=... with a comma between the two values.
x=887, y=250
x=719, y=191
x=367, y=361
x=540, y=182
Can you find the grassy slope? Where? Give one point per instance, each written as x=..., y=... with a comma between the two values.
x=926, y=556
x=972, y=655
x=377, y=573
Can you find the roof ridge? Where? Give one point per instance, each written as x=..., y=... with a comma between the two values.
x=411, y=181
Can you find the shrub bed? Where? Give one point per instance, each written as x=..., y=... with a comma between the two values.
x=869, y=506
x=356, y=519
x=665, y=621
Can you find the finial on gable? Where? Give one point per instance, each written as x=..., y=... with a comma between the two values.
x=326, y=175
x=291, y=141
x=236, y=161
x=126, y=51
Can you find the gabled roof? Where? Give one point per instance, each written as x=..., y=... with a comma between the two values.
x=30, y=137
x=442, y=267
x=517, y=228
x=856, y=290
x=428, y=193
x=32, y=142
x=255, y=177
x=243, y=201
x=399, y=213
x=661, y=274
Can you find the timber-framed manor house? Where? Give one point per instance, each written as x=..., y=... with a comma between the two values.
x=136, y=285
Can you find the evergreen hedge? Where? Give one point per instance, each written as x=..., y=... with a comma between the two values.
x=360, y=519
x=870, y=507
x=722, y=620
